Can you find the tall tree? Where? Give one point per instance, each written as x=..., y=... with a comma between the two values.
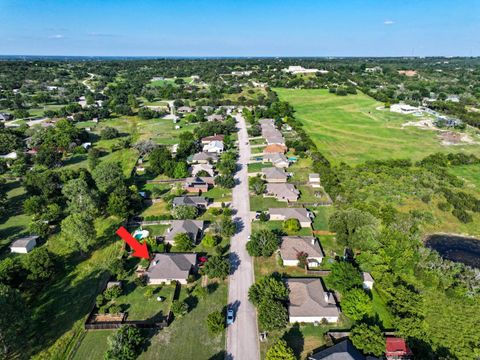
x=13, y=320
x=79, y=230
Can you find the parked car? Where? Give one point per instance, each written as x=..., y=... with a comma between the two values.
x=230, y=316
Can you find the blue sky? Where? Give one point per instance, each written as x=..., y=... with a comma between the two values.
x=240, y=27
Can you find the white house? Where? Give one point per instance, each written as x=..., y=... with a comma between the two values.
x=292, y=246
x=405, y=109
x=24, y=245
x=215, y=146
x=314, y=180
x=310, y=302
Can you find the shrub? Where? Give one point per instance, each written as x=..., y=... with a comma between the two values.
x=291, y=225
x=215, y=322
x=179, y=308
x=112, y=292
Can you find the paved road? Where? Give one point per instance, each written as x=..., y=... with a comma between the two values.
x=242, y=336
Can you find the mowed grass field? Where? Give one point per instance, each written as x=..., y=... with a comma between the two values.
x=351, y=129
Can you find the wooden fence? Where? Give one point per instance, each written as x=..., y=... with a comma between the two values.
x=164, y=181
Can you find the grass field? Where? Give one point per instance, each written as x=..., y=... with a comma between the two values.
x=351, y=129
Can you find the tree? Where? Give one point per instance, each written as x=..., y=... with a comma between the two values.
x=13, y=320
x=267, y=288
x=11, y=272
x=93, y=158
x=40, y=264
x=119, y=202
x=124, y=344
x=272, y=315
x=158, y=160
x=369, y=339
x=112, y=292
x=109, y=133
x=257, y=184
x=79, y=230
x=181, y=170
x=80, y=197
x=356, y=304
x=224, y=227
x=291, y=225
x=217, y=267
x=215, y=322
x=183, y=212
x=347, y=223
x=179, y=308
x=210, y=240
x=225, y=181
x=108, y=176
x=263, y=242
x=280, y=351
x=183, y=242
x=344, y=276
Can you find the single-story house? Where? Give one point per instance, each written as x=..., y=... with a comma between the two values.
x=277, y=160
x=168, y=267
x=292, y=246
x=274, y=175
x=282, y=214
x=367, y=281
x=198, y=184
x=204, y=158
x=215, y=146
x=185, y=109
x=343, y=350
x=310, y=302
x=283, y=192
x=5, y=116
x=193, y=228
x=314, y=180
x=24, y=245
x=209, y=139
x=197, y=168
x=197, y=201
x=275, y=148
x=215, y=117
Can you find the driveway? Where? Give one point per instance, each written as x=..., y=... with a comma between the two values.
x=242, y=335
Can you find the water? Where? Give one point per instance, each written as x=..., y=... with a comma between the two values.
x=456, y=248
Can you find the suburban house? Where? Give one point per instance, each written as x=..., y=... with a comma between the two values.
x=275, y=148
x=296, y=69
x=292, y=246
x=282, y=214
x=215, y=117
x=185, y=109
x=215, y=146
x=309, y=302
x=344, y=350
x=198, y=184
x=168, y=267
x=274, y=175
x=270, y=133
x=24, y=245
x=193, y=228
x=277, y=160
x=397, y=348
x=5, y=116
x=367, y=281
x=197, y=168
x=197, y=201
x=283, y=192
x=208, y=139
x=314, y=180
x=203, y=158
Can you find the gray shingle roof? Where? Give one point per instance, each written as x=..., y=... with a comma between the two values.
x=171, y=266
x=292, y=245
x=189, y=200
x=190, y=227
x=291, y=213
x=22, y=242
x=342, y=351
x=308, y=297
x=273, y=173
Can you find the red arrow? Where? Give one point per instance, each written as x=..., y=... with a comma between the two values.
x=139, y=250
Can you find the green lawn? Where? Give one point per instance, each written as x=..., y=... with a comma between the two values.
x=93, y=345
x=257, y=167
x=322, y=213
x=15, y=223
x=219, y=194
x=260, y=203
x=351, y=129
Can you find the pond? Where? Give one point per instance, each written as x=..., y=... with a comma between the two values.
x=456, y=248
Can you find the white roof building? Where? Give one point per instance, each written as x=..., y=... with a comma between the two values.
x=24, y=245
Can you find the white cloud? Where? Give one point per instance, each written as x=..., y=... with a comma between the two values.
x=389, y=22
x=56, y=36
x=94, y=34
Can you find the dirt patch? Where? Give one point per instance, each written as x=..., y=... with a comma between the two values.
x=426, y=124
x=452, y=138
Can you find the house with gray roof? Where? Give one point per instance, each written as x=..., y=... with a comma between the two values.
x=292, y=246
x=168, y=267
x=344, y=350
x=367, y=281
x=24, y=245
x=282, y=214
x=310, y=302
x=277, y=159
x=274, y=175
x=282, y=192
x=196, y=201
x=203, y=158
x=193, y=228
